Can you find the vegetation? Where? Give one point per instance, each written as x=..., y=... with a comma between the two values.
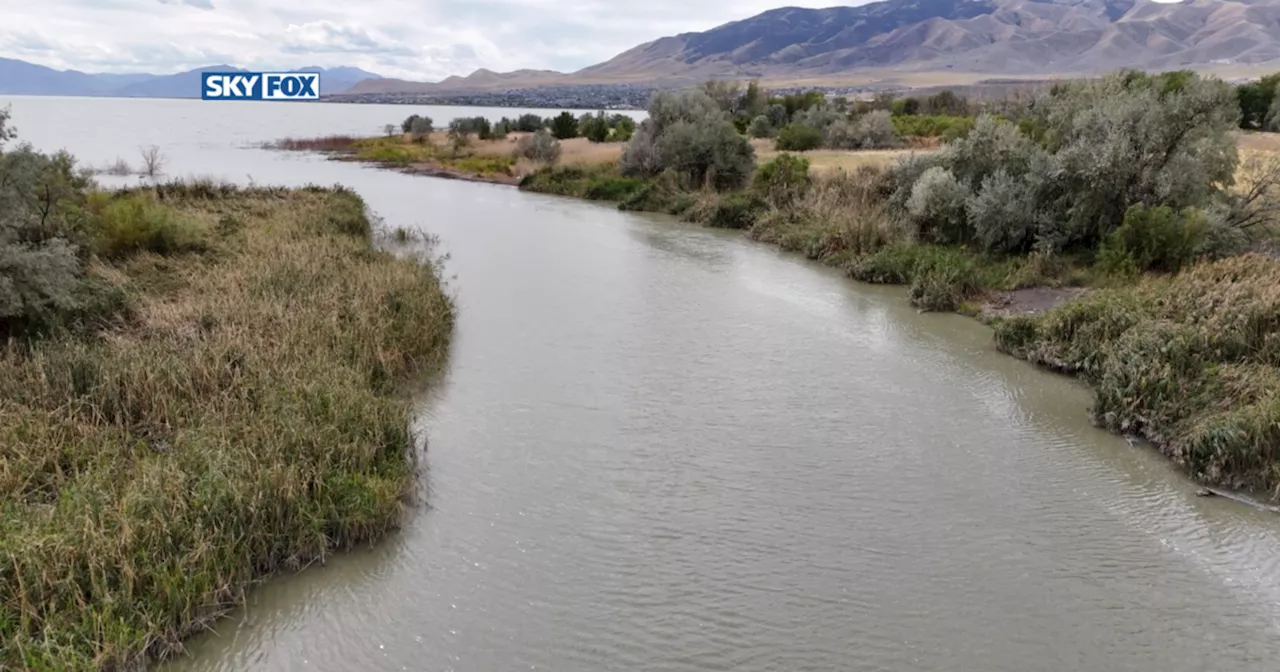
x=1130, y=183
x=203, y=385
x=541, y=146
x=688, y=135
x=1189, y=361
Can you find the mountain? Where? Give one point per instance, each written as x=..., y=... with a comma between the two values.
x=895, y=38
x=22, y=78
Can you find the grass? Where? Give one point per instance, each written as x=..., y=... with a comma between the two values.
x=1190, y=361
x=492, y=159
x=246, y=415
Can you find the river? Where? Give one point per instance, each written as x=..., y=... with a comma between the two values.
x=662, y=447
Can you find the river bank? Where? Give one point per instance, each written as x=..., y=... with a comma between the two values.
x=237, y=406
x=842, y=218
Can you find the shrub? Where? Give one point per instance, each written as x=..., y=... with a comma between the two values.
x=687, y=133
x=874, y=130
x=622, y=128
x=692, y=106
x=933, y=126
x=818, y=116
x=595, y=128
x=540, y=146
x=41, y=238
x=564, y=126
x=937, y=206
x=839, y=217
x=528, y=123
x=798, y=138
x=613, y=188
x=1131, y=138
x=407, y=124
x=135, y=223
x=783, y=180
x=641, y=155
x=737, y=210
x=420, y=127
x=945, y=285
x=761, y=128
x=1153, y=239
x=707, y=152
x=1003, y=213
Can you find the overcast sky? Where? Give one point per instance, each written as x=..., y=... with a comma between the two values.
x=416, y=39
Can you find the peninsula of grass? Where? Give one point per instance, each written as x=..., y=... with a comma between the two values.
x=225, y=394
x=433, y=155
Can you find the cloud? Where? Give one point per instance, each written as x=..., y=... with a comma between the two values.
x=320, y=37
x=398, y=38
x=202, y=4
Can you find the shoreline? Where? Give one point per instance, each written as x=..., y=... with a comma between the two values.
x=1041, y=298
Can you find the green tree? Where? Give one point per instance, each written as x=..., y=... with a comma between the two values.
x=564, y=126
x=528, y=123
x=798, y=138
x=594, y=128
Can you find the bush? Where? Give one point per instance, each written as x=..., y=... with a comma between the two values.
x=564, y=126
x=688, y=134
x=540, y=146
x=798, y=138
x=839, y=217
x=874, y=130
x=420, y=127
x=933, y=126
x=782, y=181
x=937, y=206
x=736, y=210
x=945, y=285
x=623, y=127
x=595, y=128
x=641, y=155
x=135, y=223
x=417, y=124
x=528, y=123
x=42, y=238
x=613, y=188
x=761, y=128
x=1153, y=239
x=1003, y=212
x=707, y=152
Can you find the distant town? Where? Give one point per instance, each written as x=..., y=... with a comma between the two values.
x=581, y=97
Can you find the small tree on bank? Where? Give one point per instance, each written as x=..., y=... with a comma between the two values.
x=564, y=126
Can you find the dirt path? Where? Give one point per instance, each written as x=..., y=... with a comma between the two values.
x=1032, y=300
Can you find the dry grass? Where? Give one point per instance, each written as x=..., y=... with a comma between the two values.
x=830, y=160
x=249, y=417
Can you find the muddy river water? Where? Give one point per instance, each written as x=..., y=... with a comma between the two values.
x=660, y=447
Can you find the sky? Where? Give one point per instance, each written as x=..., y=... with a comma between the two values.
x=424, y=40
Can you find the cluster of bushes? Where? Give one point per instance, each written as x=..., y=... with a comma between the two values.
x=1135, y=172
x=689, y=135
x=47, y=235
x=1097, y=149
x=597, y=127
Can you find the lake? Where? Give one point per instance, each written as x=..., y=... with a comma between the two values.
x=664, y=447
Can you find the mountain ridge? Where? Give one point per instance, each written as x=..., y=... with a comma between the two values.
x=1012, y=38
x=19, y=77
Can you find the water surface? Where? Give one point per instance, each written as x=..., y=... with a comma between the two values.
x=665, y=448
